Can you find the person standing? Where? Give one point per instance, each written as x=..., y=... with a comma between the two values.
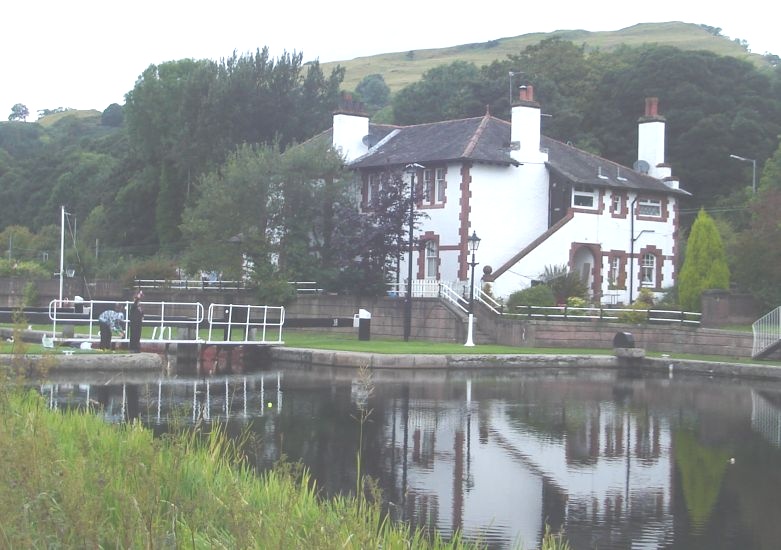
x=110, y=321
x=135, y=316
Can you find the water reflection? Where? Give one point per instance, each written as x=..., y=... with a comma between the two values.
x=617, y=460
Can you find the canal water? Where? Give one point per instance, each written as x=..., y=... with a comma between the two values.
x=616, y=459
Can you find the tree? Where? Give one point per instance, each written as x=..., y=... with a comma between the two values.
x=112, y=116
x=705, y=266
x=19, y=112
x=756, y=256
x=374, y=92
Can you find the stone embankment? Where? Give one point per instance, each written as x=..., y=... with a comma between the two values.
x=311, y=357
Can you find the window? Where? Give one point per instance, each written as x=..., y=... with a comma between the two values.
x=434, y=185
x=432, y=259
x=648, y=270
x=613, y=272
x=617, y=203
x=372, y=190
x=440, y=185
x=583, y=196
x=650, y=207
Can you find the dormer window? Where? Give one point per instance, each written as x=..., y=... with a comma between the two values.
x=584, y=196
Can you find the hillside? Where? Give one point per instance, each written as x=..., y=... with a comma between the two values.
x=400, y=69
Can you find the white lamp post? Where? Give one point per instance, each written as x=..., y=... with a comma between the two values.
x=753, y=170
x=474, y=244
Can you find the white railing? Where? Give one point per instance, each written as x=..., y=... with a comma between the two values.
x=256, y=324
x=606, y=314
x=421, y=288
x=767, y=332
x=160, y=315
x=190, y=284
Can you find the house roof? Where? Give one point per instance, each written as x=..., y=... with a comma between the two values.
x=486, y=139
x=483, y=139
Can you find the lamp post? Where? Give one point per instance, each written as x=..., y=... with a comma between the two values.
x=410, y=169
x=631, y=260
x=753, y=170
x=474, y=244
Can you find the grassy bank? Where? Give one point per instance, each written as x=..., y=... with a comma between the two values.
x=71, y=480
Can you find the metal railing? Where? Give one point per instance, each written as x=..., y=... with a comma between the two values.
x=256, y=324
x=767, y=332
x=190, y=284
x=620, y=315
x=160, y=315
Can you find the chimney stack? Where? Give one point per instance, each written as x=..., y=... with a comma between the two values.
x=526, y=93
x=651, y=106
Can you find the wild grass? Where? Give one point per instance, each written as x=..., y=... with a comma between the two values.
x=71, y=480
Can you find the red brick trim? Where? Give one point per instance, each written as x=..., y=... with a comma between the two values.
x=596, y=265
x=624, y=204
x=463, y=229
x=663, y=206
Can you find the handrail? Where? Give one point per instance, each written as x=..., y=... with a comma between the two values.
x=606, y=314
x=766, y=331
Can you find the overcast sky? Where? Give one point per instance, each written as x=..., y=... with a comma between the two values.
x=86, y=54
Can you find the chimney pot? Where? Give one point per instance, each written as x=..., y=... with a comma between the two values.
x=526, y=93
x=652, y=106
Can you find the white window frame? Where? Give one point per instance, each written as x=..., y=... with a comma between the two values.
x=586, y=193
x=432, y=259
x=372, y=189
x=648, y=270
x=434, y=185
x=617, y=203
x=614, y=271
x=439, y=185
x=650, y=208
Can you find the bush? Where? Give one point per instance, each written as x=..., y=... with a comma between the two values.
x=27, y=270
x=539, y=295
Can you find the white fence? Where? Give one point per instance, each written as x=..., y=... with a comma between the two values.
x=175, y=322
x=767, y=332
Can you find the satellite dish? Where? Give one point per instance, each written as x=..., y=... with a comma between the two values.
x=641, y=166
x=370, y=140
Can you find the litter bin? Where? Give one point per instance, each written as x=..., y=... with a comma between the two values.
x=364, y=324
x=623, y=340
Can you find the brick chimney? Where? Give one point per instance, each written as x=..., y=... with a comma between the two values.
x=350, y=126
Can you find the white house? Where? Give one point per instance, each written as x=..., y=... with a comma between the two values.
x=533, y=201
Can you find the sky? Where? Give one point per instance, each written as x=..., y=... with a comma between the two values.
x=86, y=54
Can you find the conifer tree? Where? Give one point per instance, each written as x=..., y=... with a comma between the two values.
x=705, y=266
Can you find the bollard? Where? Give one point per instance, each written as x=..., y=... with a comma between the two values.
x=364, y=324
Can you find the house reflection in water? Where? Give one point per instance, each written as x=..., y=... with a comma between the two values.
x=617, y=461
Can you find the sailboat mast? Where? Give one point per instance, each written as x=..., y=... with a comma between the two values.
x=62, y=248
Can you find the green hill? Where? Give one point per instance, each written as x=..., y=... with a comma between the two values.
x=403, y=68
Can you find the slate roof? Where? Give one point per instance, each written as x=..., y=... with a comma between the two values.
x=483, y=139
x=486, y=139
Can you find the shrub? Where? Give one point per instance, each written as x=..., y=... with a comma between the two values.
x=539, y=295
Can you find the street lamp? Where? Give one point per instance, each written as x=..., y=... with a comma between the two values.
x=753, y=170
x=410, y=169
x=474, y=244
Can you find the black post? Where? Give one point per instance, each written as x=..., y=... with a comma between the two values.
x=411, y=169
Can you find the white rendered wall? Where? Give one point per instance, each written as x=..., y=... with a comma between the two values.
x=650, y=146
x=610, y=234
x=348, y=134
